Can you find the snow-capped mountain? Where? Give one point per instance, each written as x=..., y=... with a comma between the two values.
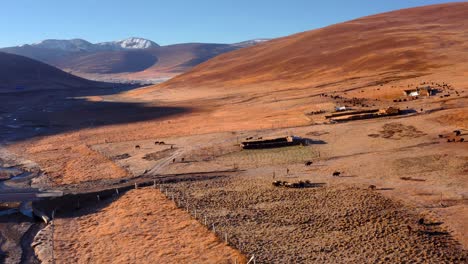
x=130, y=43
x=75, y=45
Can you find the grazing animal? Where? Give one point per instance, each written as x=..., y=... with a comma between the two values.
x=422, y=223
x=372, y=187
x=441, y=136
x=173, y=160
x=462, y=139
x=457, y=132
x=308, y=163
x=410, y=229
x=183, y=159
x=336, y=174
x=287, y=170
x=156, y=142
x=137, y=147
x=277, y=183
x=162, y=143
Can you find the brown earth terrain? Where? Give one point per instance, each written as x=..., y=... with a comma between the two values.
x=274, y=89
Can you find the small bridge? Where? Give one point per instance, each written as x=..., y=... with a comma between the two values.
x=27, y=195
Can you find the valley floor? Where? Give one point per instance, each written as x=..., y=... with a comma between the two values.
x=417, y=175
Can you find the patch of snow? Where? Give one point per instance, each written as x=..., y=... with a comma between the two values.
x=137, y=43
x=130, y=43
x=249, y=43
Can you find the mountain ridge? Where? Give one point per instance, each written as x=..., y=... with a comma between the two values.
x=77, y=44
x=129, y=59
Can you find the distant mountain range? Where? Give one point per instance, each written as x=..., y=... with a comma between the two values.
x=132, y=58
x=77, y=45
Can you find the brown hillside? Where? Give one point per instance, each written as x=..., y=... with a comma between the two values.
x=108, y=61
x=418, y=40
x=176, y=59
x=169, y=60
x=18, y=73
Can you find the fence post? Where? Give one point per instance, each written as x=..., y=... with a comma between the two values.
x=52, y=240
x=251, y=260
x=136, y=185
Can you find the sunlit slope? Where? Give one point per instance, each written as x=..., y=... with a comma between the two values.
x=418, y=40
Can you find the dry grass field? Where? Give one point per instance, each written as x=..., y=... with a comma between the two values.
x=316, y=225
x=142, y=226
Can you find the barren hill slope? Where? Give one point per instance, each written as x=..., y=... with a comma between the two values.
x=412, y=41
x=18, y=73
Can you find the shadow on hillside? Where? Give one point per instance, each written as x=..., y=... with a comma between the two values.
x=28, y=114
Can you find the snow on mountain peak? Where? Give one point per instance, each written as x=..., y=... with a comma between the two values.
x=74, y=45
x=137, y=43
x=249, y=43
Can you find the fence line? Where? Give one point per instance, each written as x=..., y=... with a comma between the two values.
x=183, y=203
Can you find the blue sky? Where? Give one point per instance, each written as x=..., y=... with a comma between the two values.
x=177, y=21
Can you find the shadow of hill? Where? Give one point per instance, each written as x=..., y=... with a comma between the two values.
x=28, y=114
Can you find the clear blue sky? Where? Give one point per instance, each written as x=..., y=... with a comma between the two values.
x=177, y=21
